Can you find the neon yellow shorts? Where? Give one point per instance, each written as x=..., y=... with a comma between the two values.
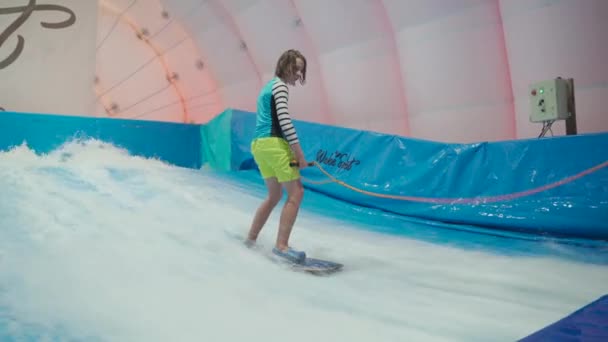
x=273, y=156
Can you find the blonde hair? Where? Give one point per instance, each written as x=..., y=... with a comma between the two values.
x=287, y=66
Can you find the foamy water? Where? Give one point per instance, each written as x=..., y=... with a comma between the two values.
x=96, y=244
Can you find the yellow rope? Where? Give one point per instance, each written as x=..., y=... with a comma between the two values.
x=333, y=179
x=476, y=200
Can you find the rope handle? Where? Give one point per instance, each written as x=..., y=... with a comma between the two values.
x=298, y=164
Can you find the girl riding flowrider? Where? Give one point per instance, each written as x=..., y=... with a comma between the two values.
x=274, y=146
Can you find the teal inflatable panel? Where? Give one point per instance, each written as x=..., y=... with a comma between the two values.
x=174, y=143
x=216, y=142
x=555, y=186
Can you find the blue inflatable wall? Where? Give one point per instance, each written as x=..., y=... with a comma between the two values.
x=173, y=143
x=552, y=186
x=589, y=323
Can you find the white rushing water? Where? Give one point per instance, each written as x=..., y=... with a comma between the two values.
x=97, y=244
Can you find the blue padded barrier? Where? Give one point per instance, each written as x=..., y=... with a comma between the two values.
x=551, y=186
x=173, y=143
x=588, y=324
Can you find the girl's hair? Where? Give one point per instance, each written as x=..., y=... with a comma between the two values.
x=287, y=67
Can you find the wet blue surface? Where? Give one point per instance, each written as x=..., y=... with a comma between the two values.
x=461, y=236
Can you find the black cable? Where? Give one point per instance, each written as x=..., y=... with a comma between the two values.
x=115, y=24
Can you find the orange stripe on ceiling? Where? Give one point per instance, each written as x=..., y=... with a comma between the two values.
x=157, y=51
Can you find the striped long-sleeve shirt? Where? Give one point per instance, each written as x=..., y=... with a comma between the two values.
x=273, y=119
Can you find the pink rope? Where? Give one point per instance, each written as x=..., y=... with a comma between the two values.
x=511, y=196
x=474, y=200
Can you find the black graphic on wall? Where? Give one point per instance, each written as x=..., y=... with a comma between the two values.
x=25, y=13
x=338, y=159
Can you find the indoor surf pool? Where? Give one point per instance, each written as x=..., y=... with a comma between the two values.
x=460, y=170
x=101, y=241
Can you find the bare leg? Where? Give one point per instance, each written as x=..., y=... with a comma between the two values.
x=261, y=216
x=295, y=192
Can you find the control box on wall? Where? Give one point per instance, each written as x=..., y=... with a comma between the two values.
x=549, y=100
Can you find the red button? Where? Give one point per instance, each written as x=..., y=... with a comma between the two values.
x=533, y=92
